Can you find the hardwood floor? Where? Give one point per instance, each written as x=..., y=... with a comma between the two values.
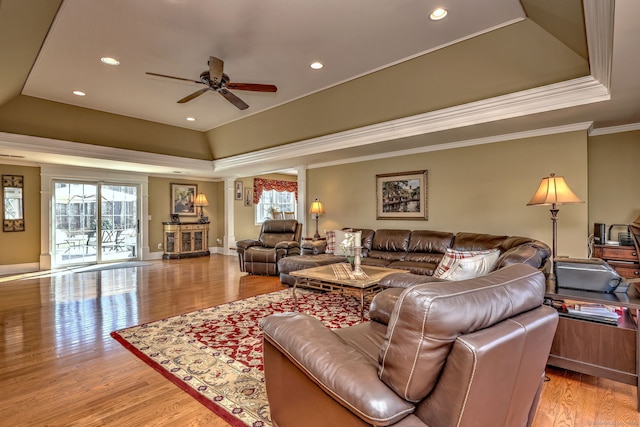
x=60, y=367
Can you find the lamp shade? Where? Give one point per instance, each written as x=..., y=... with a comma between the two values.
x=553, y=190
x=316, y=207
x=201, y=200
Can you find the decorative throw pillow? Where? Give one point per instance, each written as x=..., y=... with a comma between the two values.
x=331, y=241
x=461, y=265
x=334, y=238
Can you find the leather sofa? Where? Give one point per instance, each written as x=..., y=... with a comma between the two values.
x=278, y=238
x=461, y=353
x=419, y=252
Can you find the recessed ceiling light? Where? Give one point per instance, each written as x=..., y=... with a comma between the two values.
x=191, y=119
x=438, y=14
x=109, y=61
x=317, y=65
x=79, y=93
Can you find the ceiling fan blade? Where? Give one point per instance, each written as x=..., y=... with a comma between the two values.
x=233, y=99
x=193, y=95
x=252, y=86
x=216, y=66
x=176, y=78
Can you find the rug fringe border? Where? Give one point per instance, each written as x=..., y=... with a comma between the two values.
x=212, y=406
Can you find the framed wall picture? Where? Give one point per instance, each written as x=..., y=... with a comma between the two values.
x=238, y=192
x=182, y=198
x=402, y=195
x=248, y=197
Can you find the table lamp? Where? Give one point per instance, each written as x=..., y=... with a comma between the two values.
x=201, y=200
x=316, y=209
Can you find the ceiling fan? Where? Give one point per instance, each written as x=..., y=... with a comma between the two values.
x=216, y=80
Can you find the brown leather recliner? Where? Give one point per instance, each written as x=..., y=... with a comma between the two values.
x=278, y=239
x=465, y=353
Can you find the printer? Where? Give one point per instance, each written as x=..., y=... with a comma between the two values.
x=592, y=274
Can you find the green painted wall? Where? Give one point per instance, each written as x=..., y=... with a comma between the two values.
x=245, y=226
x=26, y=115
x=613, y=178
x=483, y=188
x=22, y=247
x=160, y=208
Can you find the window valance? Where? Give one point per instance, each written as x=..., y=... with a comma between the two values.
x=262, y=184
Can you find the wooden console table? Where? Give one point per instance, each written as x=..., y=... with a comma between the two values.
x=185, y=239
x=599, y=349
x=624, y=259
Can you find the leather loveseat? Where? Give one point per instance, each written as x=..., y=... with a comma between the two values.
x=461, y=353
x=420, y=252
x=278, y=238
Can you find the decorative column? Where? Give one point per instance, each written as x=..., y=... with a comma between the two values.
x=302, y=198
x=229, y=239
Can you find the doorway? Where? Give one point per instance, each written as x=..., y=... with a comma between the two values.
x=88, y=232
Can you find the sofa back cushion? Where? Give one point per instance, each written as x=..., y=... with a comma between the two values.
x=424, y=244
x=366, y=239
x=278, y=230
x=390, y=244
x=523, y=254
x=428, y=318
x=477, y=241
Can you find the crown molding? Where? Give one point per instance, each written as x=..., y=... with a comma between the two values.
x=460, y=144
x=566, y=94
x=53, y=147
x=599, y=20
x=615, y=129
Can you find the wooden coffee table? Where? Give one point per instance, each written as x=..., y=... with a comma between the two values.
x=336, y=278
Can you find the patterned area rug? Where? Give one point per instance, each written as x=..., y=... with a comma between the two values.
x=215, y=354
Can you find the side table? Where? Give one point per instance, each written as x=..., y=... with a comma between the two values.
x=599, y=349
x=624, y=259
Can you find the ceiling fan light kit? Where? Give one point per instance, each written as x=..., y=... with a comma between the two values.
x=217, y=81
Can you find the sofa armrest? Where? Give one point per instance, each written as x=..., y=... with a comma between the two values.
x=246, y=244
x=315, y=247
x=343, y=372
x=406, y=280
x=383, y=303
x=289, y=244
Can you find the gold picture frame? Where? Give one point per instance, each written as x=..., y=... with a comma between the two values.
x=12, y=203
x=402, y=195
x=183, y=197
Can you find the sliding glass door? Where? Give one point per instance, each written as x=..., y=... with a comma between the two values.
x=85, y=231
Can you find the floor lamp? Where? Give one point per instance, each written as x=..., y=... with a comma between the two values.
x=553, y=191
x=316, y=209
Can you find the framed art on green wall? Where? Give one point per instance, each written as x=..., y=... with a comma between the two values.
x=402, y=195
x=182, y=199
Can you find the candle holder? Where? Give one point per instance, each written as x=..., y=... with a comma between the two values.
x=356, y=259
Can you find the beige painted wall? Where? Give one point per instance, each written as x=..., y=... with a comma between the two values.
x=245, y=226
x=614, y=175
x=20, y=247
x=482, y=188
x=160, y=208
